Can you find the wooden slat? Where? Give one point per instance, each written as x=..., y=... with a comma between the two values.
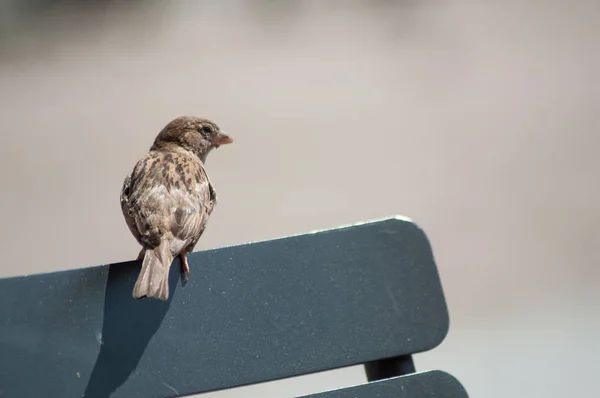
x=434, y=384
x=250, y=313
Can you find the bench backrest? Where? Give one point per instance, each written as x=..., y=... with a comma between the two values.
x=250, y=313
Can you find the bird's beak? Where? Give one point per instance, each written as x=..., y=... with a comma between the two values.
x=222, y=138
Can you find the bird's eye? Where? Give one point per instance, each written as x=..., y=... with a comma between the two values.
x=206, y=130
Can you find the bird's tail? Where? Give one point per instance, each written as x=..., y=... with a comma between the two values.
x=153, y=280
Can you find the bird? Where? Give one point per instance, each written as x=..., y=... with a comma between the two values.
x=168, y=198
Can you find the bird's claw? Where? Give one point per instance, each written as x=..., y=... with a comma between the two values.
x=185, y=267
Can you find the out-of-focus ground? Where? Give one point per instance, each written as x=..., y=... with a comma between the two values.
x=480, y=122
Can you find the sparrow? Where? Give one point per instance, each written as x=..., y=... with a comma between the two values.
x=168, y=199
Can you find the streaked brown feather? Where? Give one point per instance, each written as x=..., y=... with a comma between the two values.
x=158, y=201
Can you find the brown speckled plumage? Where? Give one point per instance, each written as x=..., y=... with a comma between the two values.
x=168, y=199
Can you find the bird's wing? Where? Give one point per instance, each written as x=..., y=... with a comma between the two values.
x=125, y=207
x=169, y=198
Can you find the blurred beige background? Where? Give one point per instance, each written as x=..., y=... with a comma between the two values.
x=478, y=121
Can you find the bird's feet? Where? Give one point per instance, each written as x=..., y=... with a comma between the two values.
x=184, y=265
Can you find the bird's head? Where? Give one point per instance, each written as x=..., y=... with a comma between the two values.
x=194, y=134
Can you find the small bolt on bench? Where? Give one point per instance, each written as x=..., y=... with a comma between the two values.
x=367, y=294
